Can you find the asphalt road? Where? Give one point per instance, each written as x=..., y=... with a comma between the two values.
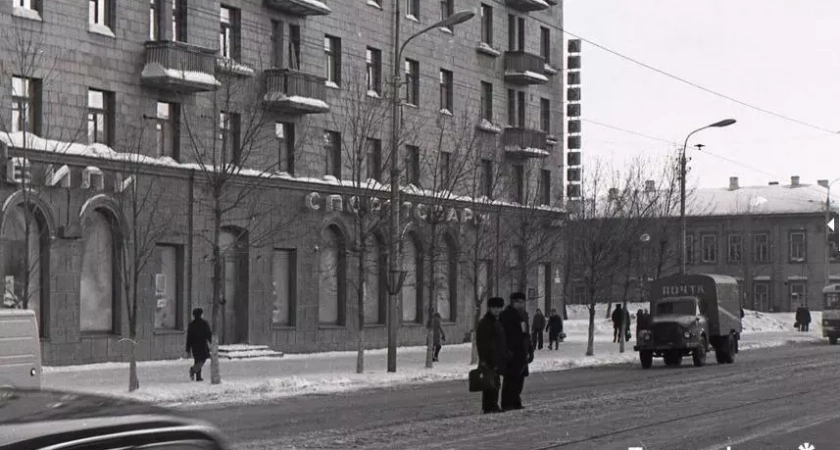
x=770, y=399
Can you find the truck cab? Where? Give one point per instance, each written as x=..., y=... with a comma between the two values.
x=831, y=313
x=692, y=315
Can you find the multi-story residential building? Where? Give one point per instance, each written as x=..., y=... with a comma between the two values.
x=268, y=88
x=771, y=238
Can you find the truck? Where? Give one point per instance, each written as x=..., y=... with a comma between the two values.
x=831, y=313
x=691, y=315
x=20, y=349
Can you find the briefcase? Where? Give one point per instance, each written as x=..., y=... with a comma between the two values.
x=483, y=379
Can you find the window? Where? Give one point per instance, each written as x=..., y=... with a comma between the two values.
x=167, y=281
x=26, y=102
x=798, y=294
x=511, y=107
x=447, y=8
x=374, y=71
x=545, y=115
x=520, y=109
x=486, y=177
x=277, y=43
x=708, y=242
x=294, y=47
x=100, y=117
x=373, y=159
x=332, y=52
x=412, y=288
x=761, y=295
x=761, y=247
x=285, y=133
x=229, y=33
x=99, y=12
x=374, y=301
x=179, y=20
x=331, y=280
x=413, y=164
x=444, y=170
x=798, y=250
x=518, y=183
x=229, y=136
x=545, y=44
x=487, y=101
x=167, y=130
x=32, y=5
x=154, y=19
x=545, y=187
x=446, y=83
x=735, y=248
x=689, y=249
x=412, y=82
x=487, y=24
x=99, y=275
x=413, y=9
x=332, y=148
x=516, y=33
x=284, y=277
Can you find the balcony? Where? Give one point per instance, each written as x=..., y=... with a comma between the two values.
x=299, y=7
x=528, y=5
x=179, y=67
x=524, y=68
x=525, y=142
x=294, y=92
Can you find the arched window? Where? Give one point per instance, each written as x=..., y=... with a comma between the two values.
x=332, y=263
x=233, y=247
x=25, y=262
x=97, y=291
x=446, y=280
x=411, y=292
x=374, y=289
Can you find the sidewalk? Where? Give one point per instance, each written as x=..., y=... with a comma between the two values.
x=255, y=380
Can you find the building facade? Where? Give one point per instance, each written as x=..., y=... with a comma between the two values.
x=247, y=115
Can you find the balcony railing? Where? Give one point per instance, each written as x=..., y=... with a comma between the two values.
x=525, y=142
x=529, y=5
x=524, y=68
x=179, y=67
x=299, y=7
x=295, y=92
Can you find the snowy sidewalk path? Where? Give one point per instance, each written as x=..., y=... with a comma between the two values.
x=254, y=380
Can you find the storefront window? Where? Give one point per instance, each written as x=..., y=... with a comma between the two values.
x=331, y=266
x=166, y=284
x=23, y=256
x=98, y=273
x=410, y=286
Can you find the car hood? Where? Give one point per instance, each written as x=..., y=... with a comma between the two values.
x=684, y=321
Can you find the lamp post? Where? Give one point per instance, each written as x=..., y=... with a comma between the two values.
x=721, y=124
x=393, y=263
x=827, y=261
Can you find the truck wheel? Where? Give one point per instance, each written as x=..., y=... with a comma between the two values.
x=832, y=340
x=730, y=347
x=699, y=354
x=646, y=357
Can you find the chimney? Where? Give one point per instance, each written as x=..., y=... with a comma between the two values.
x=733, y=183
x=613, y=195
x=794, y=181
x=650, y=186
x=823, y=183
x=773, y=183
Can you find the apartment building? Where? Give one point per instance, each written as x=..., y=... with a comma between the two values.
x=269, y=88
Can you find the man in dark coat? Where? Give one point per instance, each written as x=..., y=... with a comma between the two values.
x=806, y=318
x=515, y=323
x=617, y=316
x=554, y=328
x=438, y=337
x=800, y=318
x=641, y=321
x=199, y=337
x=492, y=350
x=537, y=327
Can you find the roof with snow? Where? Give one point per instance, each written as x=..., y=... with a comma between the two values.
x=771, y=199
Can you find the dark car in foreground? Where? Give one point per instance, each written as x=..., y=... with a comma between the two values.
x=51, y=420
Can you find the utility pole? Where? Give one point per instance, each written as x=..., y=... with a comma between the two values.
x=393, y=251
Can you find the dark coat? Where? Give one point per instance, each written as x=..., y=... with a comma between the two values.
x=555, y=325
x=199, y=336
x=518, y=341
x=490, y=342
x=642, y=322
x=616, y=317
x=806, y=315
x=437, y=331
x=539, y=323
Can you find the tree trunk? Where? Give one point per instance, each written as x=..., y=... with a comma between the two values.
x=590, y=344
x=133, y=381
x=215, y=373
x=474, y=349
x=430, y=350
x=361, y=292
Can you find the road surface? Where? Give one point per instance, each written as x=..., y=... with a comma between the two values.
x=770, y=399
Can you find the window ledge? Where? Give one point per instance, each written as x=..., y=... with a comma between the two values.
x=332, y=84
x=164, y=332
x=487, y=126
x=412, y=18
x=446, y=112
x=413, y=325
x=373, y=94
x=488, y=50
x=447, y=30
x=283, y=327
x=323, y=326
x=412, y=105
x=375, y=325
x=25, y=13
x=98, y=334
x=104, y=30
x=549, y=69
x=374, y=4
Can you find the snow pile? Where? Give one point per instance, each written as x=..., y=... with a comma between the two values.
x=156, y=70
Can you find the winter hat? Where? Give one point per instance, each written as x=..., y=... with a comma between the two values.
x=517, y=296
x=496, y=302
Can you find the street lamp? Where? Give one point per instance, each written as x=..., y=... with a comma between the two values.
x=827, y=185
x=393, y=263
x=720, y=124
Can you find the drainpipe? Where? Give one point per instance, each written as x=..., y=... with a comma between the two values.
x=190, y=238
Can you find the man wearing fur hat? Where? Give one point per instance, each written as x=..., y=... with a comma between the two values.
x=515, y=323
x=492, y=351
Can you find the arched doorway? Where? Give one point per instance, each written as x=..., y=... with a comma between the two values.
x=412, y=292
x=98, y=290
x=332, y=281
x=233, y=247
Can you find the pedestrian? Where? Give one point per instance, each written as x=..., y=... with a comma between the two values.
x=806, y=316
x=537, y=327
x=555, y=329
x=640, y=322
x=627, y=334
x=515, y=323
x=492, y=351
x=800, y=318
x=617, y=316
x=438, y=337
x=199, y=336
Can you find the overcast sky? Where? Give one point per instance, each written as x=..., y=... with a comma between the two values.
x=780, y=55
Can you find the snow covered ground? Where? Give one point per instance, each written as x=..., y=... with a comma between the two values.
x=266, y=379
